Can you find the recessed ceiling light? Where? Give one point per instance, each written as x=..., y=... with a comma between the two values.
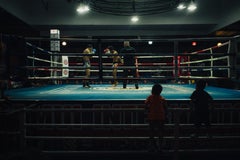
x=64, y=43
x=134, y=19
x=194, y=43
x=82, y=8
x=192, y=7
x=219, y=44
x=181, y=6
x=150, y=42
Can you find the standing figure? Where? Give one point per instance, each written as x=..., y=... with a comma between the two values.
x=156, y=107
x=116, y=59
x=200, y=100
x=87, y=65
x=129, y=61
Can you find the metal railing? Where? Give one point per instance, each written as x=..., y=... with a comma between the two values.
x=66, y=127
x=87, y=127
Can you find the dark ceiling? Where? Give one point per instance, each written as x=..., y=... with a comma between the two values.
x=37, y=17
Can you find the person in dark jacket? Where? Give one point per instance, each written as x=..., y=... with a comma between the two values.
x=129, y=60
x=200, y=100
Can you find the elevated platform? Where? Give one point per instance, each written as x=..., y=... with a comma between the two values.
x=105, y=92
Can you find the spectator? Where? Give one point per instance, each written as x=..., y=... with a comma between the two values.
x=157, y=108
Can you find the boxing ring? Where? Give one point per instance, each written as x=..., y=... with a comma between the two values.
x=58, y=114
x=174, y=63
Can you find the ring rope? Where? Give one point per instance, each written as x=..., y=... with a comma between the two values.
x=43, y=60
x=205, y=60
x=202, y=68
x=110, y=64
x=198, y=77
x=130, y=78
x=216, y=46
x=155, y=56
x=195, y=67
x=207, y=69
x=43, y=50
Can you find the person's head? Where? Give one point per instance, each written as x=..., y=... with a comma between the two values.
x=156, y=89
x=126, y=43
x=110, y=48
x=201, y=84
x=90, y=47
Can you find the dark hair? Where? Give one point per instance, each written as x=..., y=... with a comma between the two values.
x=90, y=46
x=201, y=84
x=156, y=89
x=110, y=48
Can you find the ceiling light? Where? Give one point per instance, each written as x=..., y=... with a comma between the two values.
x=150, y=42
x=181, y=6
x=194, y=43
x=64, y=43
x=219, y=44
x=83, y=8
x=192, y=6
x=134, y=19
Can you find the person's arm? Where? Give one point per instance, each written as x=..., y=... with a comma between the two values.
x=85, y=58
x=122, y=53
x=136, y=65
x=87, y=51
